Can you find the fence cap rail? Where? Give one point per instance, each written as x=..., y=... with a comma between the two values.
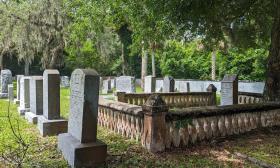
x=207, y=111
x=122, y=107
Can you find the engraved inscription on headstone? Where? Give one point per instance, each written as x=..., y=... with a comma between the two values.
x=125, y=84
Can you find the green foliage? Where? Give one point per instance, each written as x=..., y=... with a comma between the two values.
x=185, y=61
x=248, y=64
x=192, y=61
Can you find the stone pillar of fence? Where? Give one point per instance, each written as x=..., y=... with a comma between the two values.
x=121, y=97
x=211, y=88
x=154, y=131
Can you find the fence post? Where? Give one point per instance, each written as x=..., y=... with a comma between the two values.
x=211, y=88
x=154, y=132
x=121, y=97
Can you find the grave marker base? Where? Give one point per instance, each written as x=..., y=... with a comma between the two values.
x=51, y=127
x=82, y=155
x=31, y=117
x=22, y=111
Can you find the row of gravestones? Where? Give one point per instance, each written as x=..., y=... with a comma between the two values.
x=229, y=86
x=127, y=84
x=39, y=103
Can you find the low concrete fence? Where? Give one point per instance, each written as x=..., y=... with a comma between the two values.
x=122, y=118
x=173, y=100
x=160, y=128
x=249, y=98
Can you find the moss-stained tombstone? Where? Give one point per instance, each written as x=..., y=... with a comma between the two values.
x=80, y=146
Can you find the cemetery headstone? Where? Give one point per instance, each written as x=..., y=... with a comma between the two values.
x=11, y=92
x=5, y=80
x=113, y=83
x=125, y=84
x=17, y=100
x=80, y=146
x=168, y=84
x=106, y=86
x=229, y=90
x=64, y=81
x=150, y=84
x=50, y=123
x=36, y=99
x=24, y=105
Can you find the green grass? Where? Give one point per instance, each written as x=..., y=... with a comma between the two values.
x=123, y=152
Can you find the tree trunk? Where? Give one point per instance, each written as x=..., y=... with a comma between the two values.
x=213, y=61
x=153, y=63
x=1, y=62
x=123, y=61
x=272, y=85
x=144, y=67
x=26, y=68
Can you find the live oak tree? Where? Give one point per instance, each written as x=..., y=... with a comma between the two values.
x=34, y=28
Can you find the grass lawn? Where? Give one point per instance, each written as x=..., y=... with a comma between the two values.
x=122, y=152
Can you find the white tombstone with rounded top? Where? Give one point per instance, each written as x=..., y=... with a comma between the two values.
x=50, y=123
x=80, y=146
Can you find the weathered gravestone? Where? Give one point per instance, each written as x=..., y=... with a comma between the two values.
x=80, y=146
x=6, y=79
x=64, y=81
x=24, y=105
x=150, y=84
x=168, y=84
x=50, y=123
x=125, y=84
x=229, y=90
x=36, y=99
x=106, y=86
x=11, y=92
x=113, y=83
x=17, y=100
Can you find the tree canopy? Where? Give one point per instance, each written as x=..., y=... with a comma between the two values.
x=179, y=36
